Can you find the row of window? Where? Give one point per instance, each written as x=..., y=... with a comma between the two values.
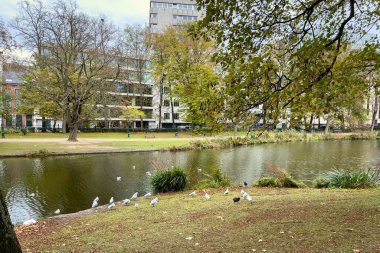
x=184, y=17
x=8, y=91
x=167, y=115
x=8, y=103
x=174, y=6
x=175, y=103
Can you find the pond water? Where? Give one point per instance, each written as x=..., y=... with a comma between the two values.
x=36, y=187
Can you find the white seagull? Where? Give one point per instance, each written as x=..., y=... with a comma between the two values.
x=94, y=203
x=126, y=201
x=227, y=191
x=118, y=178
x=245, y=195
x=147, y=195
x=249, y=198
x=207, y=196
x=136, y=205
x=32, y=194
x=154, y=202
x=112, y=205
x=57, y=211
x=148, y=173
x=111, y=200
x=96, y=199
x=242, y=192
x=134, y=196
x=29, y=222
x=134, y=167
x=192, y=194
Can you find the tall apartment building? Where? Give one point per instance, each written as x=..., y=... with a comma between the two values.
x=164, y=13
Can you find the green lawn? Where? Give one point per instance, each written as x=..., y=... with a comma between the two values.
x=278, y=220
x=99, y=135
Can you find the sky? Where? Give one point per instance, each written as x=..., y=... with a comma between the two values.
x=121, y=12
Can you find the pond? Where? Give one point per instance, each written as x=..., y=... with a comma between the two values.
x=36, y=187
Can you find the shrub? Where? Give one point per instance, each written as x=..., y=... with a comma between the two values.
x=215, y=179
x=267, y=182
x=321, y=183
x=282, y=177
x=169, y=180
x=354, y=179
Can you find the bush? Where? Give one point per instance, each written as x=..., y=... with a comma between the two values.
x=169, y=180
x=354, y=179
x=267, y=182
x=321, y=183
x=215, y=179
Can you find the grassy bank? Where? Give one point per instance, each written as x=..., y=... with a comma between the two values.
x=278, y=220
x=42, y=144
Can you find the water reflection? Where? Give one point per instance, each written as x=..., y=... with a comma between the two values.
x=35, y=187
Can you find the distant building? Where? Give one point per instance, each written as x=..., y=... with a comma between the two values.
x=10, y=85
x=165, y=13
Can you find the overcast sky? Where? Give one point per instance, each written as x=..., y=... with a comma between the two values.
x=121, y=12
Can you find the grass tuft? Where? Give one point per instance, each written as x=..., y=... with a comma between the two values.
x=368, y=178
x=215, y=179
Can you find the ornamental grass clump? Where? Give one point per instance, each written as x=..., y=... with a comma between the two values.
x=169, y=180
x=368, y=178
x=280, y=178
x=215, y=178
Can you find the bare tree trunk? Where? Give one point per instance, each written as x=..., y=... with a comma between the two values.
x=8, y=238
x=311, y=122
x=73, y=132
x=374, y=112
x=161, y=94
x=172, y=111
x=328, y=121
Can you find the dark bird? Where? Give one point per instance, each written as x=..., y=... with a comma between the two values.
x=245, y=183
x=236, y=199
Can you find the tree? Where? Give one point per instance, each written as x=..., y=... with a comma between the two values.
x=183, y=65
x=8, y=239
x=77, y=61
x=309, y=34
x=137, y=50
x=130, y=113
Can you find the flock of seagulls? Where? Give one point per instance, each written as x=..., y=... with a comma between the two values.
x=154, y=201
x=207, y=196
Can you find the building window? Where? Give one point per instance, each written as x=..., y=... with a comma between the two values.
x=166, y=103
x=17, y=92
x=166, y=115
x=153, y=15
x=8, y=103
x=153, y=25
x=18, y=103
x=176, y=103
x=176, y=115
x=185, y=18
x=8, y=91
x=166, y=90
x=174, y=6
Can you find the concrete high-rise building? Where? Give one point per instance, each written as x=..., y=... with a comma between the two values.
x=164, y=13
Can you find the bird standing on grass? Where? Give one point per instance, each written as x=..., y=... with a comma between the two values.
x=112, y=205
x=236, y=199
x=192, y=194
x=134, y=196
x=207, y=196
x=118, y=178
x=126, y=202
x=111, y=200
x=94, y=203
x=57, y=211
x=147, y=195
x=245, y=183
x=227, y=191
x=154, y=202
